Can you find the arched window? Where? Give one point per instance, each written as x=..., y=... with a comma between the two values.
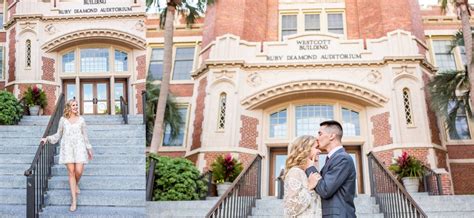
x=407, y=107
x=28, y=53
x=222, y=108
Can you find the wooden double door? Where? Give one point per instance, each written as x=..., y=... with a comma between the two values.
x=278, y=158
x=95, y=97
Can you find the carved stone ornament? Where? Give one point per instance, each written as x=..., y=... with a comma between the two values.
x=374, y=76
x=28, y=25
x=254, y=79
x=224, y=73
x=140, y=25
x=50, y=29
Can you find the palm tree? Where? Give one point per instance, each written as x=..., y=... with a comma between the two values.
x=463, y=10
x=191, y=9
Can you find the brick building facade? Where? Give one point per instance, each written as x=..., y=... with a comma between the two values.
x=252, y=75
x=93, y=51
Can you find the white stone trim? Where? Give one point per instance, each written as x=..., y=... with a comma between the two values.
x=461, y=161
x=404, y=146
x=224, y=149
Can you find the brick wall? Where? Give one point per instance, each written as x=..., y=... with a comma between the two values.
x=48, y=69
x=210, y=157
x=199, y=114
x=11, y=55
x=138, y=96
x=446, y=184
x=381, y=129
x=460, y=151
x=182, y=90
x=50, y=91
x=385, y=156
x=248, y=132
x=2, y=86
x=463, y=177
x=419, y=153
x=193, y=158
x=141, y=67
x=441, y=157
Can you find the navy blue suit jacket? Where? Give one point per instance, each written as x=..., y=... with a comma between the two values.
x=337, y=186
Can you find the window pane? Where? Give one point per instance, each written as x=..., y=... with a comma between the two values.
x=1, y=64
x=121, y=61
x=95, y=60
x=335, y=24
x=461, y=130
x=178, y=141
x=350, y=122
x=308, y=118
x=278, y=127
x=443, y=55
x=183, y=63
x=155, y=70
x=311, y=22
x=70, y=91
x=288, y=25
x=463, y=54
x=68, y=62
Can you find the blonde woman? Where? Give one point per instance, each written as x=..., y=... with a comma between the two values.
x=75, y=149
x=300, y=199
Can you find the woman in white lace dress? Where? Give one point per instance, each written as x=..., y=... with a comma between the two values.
x=75, y=149
x=300, y=199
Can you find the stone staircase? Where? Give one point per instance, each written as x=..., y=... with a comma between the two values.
x=272, y=207
x=446, y=206
x=172, y=209
x=112, y=185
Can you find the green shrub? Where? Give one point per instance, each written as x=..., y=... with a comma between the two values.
x=10, y=109
x=225, y=169
x=176, y=179
x=35, y=96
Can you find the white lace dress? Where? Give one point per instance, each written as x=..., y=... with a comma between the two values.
x=298, y=200
x=74, y=141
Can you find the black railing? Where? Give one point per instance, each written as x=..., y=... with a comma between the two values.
x=150, y=179
x=432, y=182
x=144, y=97
x=124, y=109
x=239, y=199
x=390, y=195
x=281, y=184
x=25, y=109
x=40, y=170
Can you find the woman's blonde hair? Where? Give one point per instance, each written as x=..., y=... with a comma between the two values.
x=68, y=108
x=300, y=150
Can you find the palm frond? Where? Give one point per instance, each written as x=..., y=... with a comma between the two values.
x=444, y=101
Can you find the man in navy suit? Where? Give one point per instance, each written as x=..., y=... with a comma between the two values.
x=337, y=186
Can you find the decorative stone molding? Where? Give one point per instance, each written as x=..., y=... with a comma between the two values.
x=113, y=35
x=404, y=71
x=27, y=26
x=369, y=97
x=374, y=76
x=50, y=29
x=140, y=25
x=254, y=79
x=224, y=74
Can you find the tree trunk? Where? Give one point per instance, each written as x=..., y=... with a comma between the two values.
x=165, y=81
x=467, y=34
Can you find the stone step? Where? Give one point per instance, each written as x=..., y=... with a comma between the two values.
x=364, y=209
x=12, y=196
x=15, y=159
x=12, y=211
x=359, y=215
x=129, y=150
x=272, y=201
x=105, y=170
x=450, y=214
x=12, y=182
x=100, y=182
x=94, y=141
x=13, y=169
x=113, y=159
x=92, y=211
x=104, y=132
x=157, y=206
x=457, y=203
x=128, y=198
x=86, y=117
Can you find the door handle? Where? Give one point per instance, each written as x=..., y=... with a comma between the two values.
x=94, y=100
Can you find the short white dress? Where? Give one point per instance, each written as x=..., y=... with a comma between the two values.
x=298, y=200
x=74, y=141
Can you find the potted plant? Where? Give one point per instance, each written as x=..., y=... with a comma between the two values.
x=35, y=98
x=225, y=170
x=409, y=170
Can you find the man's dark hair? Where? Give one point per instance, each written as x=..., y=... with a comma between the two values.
x=333, y=127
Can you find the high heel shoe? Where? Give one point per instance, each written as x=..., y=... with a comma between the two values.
x=73, y=206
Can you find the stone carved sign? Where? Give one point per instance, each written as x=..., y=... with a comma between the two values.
x=314, y=48
x=95, y=7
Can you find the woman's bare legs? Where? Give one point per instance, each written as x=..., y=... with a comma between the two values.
x=79, y=168
x=72, y=185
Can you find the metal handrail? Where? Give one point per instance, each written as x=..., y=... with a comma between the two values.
x=150, y=179
x=40, y=170
x=281, y=183
x=124, y=109
x=239, y=199
x=207, y=174
x=144, y=105
x=431, y=179
x=23, y=105
x=390, y=195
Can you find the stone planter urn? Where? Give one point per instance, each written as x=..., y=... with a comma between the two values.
x=411, y=184
x=34, y=110
x=222, y=188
